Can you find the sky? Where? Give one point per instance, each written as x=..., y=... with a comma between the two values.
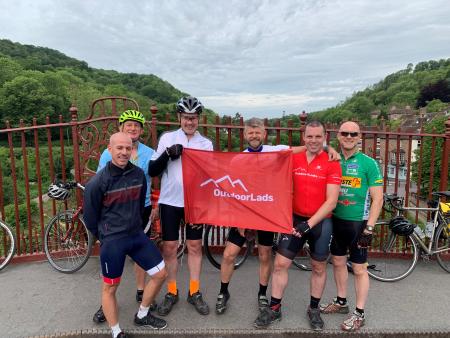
x=258, y=58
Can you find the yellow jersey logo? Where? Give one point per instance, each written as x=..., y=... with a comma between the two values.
x=351, y=182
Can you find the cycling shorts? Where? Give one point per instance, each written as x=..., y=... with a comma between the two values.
x=142, y=250
x=345, y=238
x=318, y=238
x=265, y=238
x=171, y=218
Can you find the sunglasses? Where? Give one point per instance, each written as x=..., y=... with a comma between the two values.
x=347, y=133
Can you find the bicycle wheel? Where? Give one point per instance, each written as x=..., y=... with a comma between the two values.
x=7, y=245
x=68, y=243
x=303, y=259
x=181, y=241
x=442, y=243
x=214, y=240
x=391, y=257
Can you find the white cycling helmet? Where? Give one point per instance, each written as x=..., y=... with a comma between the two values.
x=58, y=191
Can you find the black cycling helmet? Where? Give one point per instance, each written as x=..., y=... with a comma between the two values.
x=132, y=115
x=189, y=105
x=58, y=191
x=401, y=226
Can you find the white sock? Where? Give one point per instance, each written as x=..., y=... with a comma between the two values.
x=142, y=311
x=115, y=330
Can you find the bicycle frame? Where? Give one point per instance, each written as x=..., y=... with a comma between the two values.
x=437, y=214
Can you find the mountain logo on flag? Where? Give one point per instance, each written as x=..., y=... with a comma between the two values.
x=225, y=178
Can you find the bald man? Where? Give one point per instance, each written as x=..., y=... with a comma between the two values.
x=113, y=205
x=359, y=205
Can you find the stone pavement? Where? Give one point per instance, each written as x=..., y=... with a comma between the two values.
x=38, y=301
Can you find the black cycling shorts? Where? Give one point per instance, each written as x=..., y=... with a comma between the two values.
x=170, y=218
x=265, y=238
x=345, y=238
x=142, y=250
x=318, y=239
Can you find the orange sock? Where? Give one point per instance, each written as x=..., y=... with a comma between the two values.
x=172, y=287
x=194, y=286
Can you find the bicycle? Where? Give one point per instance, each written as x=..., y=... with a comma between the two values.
x=399, y=254
x=156, y=236
x=214, y=236
x=8, y=245
x=67, y=241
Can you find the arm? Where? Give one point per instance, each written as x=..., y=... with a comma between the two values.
x=333, y=155
x=92, y=207
x=326, y=208
x=155, y=168
x=376, y=194
x=298, y=149
x=104, y=158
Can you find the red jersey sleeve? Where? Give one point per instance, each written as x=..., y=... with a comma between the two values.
x=334, y=174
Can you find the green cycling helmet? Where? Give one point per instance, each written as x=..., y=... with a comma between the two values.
x=132, y=115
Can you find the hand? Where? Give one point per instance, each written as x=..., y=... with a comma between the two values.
x=364, y=240
x=154, y=215
x=174, y=151
x=301, y=229
x=333, y=155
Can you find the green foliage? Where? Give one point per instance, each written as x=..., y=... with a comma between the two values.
x=413, y=86
x=436, y=106
x=435, y=126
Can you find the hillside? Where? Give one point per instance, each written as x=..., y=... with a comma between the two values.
x=425, y=85
x=37, y=81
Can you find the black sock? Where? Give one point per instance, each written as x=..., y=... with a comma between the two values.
x=360, y=312
x=314, y=302
x=262, y=290
x=140, y=292
x=341, y=301
x=224, y=287
x=275, y=303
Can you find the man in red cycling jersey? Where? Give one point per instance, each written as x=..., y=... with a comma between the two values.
x=316, y=189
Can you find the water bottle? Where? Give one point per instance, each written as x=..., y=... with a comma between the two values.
x=419, y=232
x=429, y=229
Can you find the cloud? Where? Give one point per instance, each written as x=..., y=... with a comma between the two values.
x=312, y=54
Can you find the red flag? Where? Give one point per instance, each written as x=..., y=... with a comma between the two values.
x=245, y=190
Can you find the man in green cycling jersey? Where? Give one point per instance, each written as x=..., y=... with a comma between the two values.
x=359, y=205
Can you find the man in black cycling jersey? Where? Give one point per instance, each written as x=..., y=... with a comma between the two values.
x=254, y=134
x=359, y=205
x=132, y=123
x=113, y=206
x=166, y=161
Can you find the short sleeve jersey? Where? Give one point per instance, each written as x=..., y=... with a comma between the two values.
x=172, y=192
x=311, y=180
x=144, y=155
x=359, y=173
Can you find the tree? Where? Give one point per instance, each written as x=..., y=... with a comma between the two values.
x=437, y=90
x=435, y=126
x=10, y=69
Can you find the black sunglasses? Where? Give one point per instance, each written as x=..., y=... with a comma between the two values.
x=346, y=133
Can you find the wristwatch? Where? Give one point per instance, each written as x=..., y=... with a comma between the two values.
x=369, y=227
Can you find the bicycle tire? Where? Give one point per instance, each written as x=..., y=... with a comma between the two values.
x=212, y=235
x=67, y=255
x=7, y=245
x=302, y=260
x=181, y=241
x=441, y=242
x=392, y=257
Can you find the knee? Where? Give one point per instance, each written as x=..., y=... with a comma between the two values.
x=109, y=289
x=265, y=257
x=229, y=256
x=339, y=261
x=194, y=247
x=161, y=275
x=170, y=249
x=319, y=268
x=280, y=267
x=359, y=269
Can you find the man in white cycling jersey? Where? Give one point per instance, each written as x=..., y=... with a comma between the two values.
x=166, y=161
